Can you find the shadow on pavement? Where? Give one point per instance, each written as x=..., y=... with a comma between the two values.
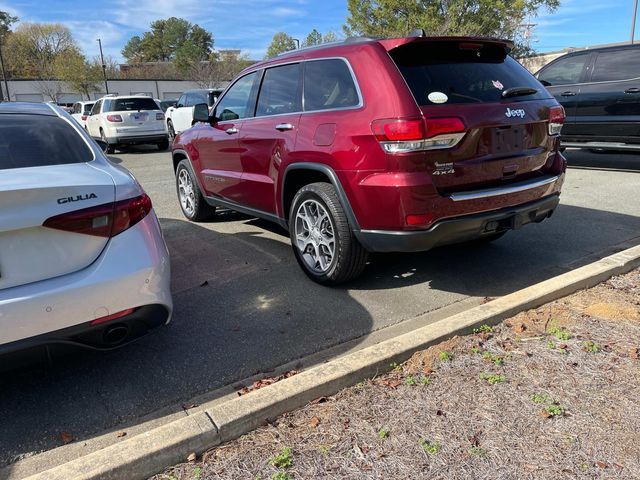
x=615, y=161
x=243, y=307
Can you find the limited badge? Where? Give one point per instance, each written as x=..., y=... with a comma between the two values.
x=497, y=84
x=438, y=97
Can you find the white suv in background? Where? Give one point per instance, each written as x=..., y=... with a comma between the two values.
x=180, y=117
x=80, y=112
x=128, y=120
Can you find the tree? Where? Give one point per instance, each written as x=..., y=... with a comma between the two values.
x=80, y=75
x=6, y=20
x=388, y=18
x=314, y=38
x=329, y=37
x=32, y=49
x=168, y=40
x=221, y=67
x=280, y=43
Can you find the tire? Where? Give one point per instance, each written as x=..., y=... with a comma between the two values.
x=111, y=149
x=192, y=203
x=171, y=130
x=163, y=145
x=318, y=202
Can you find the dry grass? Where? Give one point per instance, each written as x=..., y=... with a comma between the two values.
x=577, y=358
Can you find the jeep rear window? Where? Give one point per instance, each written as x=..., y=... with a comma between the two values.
x=132, y=104
x=465, y=73
x=38, y=141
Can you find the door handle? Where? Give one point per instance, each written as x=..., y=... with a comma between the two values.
x=284, y=126
x=632, y=90
x=231, y=131
x=568, y=94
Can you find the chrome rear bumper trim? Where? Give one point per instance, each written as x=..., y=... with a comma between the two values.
x=513, y=188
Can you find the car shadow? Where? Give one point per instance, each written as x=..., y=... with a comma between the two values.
x=604, y=160
x=243, y=307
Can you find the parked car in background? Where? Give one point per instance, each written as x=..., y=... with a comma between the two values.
x=395, y=145
x=180, y=116
x=165, y=104
x=81, y=111
x=82, y=258
x=128, y=120
x=600, y=91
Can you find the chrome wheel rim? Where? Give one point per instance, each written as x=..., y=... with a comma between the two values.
x=314, y=236
x=186, y=192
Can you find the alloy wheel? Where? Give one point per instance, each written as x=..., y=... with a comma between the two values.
x=186, y=192
x=314, y=236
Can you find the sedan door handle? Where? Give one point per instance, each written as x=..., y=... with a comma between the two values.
x=231, y=131
x=568, y=94
x=284, y=126
x=632, y=90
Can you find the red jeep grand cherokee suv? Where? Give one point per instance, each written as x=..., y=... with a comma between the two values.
x=395, y=145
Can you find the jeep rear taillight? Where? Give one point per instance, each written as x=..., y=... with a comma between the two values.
x=114, y=118
x=107, y=220
x=414, y=135
x=556, y=120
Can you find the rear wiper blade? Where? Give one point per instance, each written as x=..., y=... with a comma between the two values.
x=518, y=92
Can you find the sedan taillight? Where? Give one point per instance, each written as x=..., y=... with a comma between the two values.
x=106, y=220
x=114, y=118
x=83, y=117
x=159, y=116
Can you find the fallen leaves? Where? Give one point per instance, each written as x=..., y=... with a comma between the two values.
x=263, y=382
x=66, y=437
x=192, y=457
x=121, y=434
x=314, y=422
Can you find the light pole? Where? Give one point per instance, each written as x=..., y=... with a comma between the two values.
x=298, y=41
x=104, y=68
x=633, y=20
x=4, y=75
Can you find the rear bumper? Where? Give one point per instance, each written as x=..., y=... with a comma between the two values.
x=459, y=229
x=133, y=271
x=136, y=140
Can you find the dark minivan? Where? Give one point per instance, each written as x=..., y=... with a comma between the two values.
x=600, y=91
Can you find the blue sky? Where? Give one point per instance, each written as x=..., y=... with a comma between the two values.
x=250, y=24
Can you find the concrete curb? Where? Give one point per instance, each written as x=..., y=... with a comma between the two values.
x=146, y=454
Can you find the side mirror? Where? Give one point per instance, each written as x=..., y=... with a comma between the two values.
x=103, y=145
x=545, y=83
x=179, y=105
x=201, y=113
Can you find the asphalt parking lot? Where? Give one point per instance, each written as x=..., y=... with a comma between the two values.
x=243, y=306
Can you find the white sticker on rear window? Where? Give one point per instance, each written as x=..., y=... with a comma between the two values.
x=498, y=84
x=438, y=97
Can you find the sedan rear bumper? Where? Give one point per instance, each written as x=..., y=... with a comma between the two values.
x=132, y=272
x=461, y=229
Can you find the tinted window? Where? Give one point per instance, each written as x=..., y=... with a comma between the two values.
x=280, y=91
x=328, y=84
x=194, y=98
x=87, y=108
x=235, y=104
x=182, y=100
x=565, y=71
x=617, y=65
x=469, y=75
x=39, y=140
x=132, y=104
x=96, y=108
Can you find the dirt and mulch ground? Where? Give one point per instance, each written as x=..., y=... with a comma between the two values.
x=553, y=393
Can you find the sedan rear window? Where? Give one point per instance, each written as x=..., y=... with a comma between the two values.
x=38, y=141
x=134, y=104
x=448, y=73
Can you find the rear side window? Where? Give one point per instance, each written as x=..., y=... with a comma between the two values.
x=280, y=92
x=328, y=84
x=448, y=73
x=134, y=104
x=564, y=72
x=617, y=65
x=87, y=108
x=38, y=141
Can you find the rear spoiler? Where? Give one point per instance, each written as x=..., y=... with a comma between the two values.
x=392, y=43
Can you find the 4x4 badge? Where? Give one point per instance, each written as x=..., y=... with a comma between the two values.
x=515, y=113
